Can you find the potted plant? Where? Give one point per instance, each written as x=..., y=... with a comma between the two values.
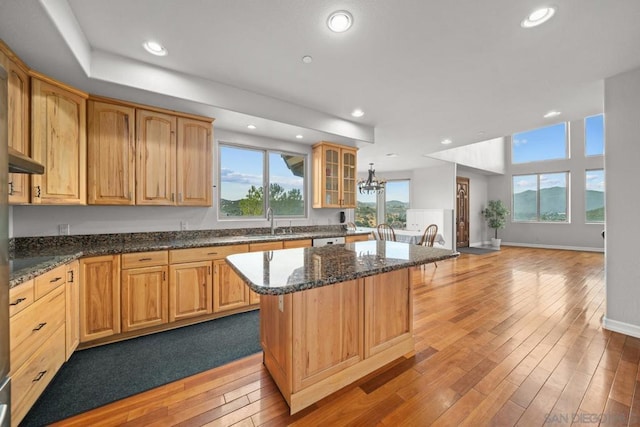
x=496, y=215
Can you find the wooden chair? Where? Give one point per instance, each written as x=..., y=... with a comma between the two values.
x=429, y=237
x=385, y=232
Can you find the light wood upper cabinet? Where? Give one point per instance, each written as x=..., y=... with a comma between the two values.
x=193, y=163
x=155, y=158
x=99, y=297
x=111, y=154
x=58, y=141
x=334, y=176
x=190, y=290
x=18, y=95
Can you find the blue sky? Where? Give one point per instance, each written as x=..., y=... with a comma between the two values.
x=594, y=130
x=595, y=180
x=539, y=144
x=242, y=168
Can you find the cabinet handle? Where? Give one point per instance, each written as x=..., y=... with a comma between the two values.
x=212, y=253
x=39, y=377
x=11, y=188
x=144, y=259
x=209, y=268
x=71, y=276
x=37, y=188
x=164, y=276
x=173, y=196
x=55, y=280
x=40, y=326
x=18, y=301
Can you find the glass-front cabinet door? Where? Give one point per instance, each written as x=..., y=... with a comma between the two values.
x=332, y=176
x=348, y=178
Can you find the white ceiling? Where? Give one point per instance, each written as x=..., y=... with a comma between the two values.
x=421, y=70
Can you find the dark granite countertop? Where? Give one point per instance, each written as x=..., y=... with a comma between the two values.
x=39, y=255
x=291, y=270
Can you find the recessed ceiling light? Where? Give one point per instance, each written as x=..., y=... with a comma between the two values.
x=357, y=113
x=552, y=114
x=252, y=127
x=392, y=154
x=446, y=141
x=538, y=16
x=340, y=21
x=307, y=59
x=155, y=48
x=299, y=136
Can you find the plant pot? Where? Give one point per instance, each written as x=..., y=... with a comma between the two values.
x=495, y=243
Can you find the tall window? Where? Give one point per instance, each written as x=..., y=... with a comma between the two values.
x=396, y=203
x=594, y=198
x=547, y=143
x=594, y=135
x=366, y=214
x=246, y=174
x=540, y=197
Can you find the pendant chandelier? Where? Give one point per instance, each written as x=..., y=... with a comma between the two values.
x=372, y=184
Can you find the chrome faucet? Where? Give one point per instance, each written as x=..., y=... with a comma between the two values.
x=270, y=218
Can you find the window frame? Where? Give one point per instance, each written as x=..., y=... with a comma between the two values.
x=265, y=182
x=567, y=174
x=567, y=151
x=585, y=136
x=586, y=220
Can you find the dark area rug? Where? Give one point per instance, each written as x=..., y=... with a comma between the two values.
x=100, y=375
x=476, y=251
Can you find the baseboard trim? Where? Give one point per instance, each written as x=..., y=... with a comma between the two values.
x=561, y=247
x=621, y=327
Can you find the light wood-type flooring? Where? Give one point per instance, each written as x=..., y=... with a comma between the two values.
x=509, y=338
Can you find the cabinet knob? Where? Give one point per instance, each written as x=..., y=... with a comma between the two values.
x=11, y=188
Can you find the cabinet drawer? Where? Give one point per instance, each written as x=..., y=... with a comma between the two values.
x=30, y=328
x=50, y=280
x=265, y=246
x=21, y=297
x=204, y=254
x=31, y=379
x=144, y=259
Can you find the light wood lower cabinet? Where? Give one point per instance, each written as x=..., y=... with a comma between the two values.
x=229, y=290
x=190, y=290
x=73, y=308
x=319, y=340
x=99, y=297
x=357, y=238
x=145, y=297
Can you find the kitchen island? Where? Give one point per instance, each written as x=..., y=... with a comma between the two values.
x=331, y=315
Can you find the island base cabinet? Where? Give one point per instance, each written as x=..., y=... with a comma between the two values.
x=319, y=340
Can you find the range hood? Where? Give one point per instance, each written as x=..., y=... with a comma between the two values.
x=19, y=163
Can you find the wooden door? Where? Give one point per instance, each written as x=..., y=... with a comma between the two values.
x=58, y=123
x=193, y=163
x=348, y=178
x=190, y=290
x=155, y=158
x=145, y=294
x=462, y=212
x=18, y=127
x=327, y=326
x=99, y=297
x=388, y=311
x=229, y=290
x=111, y=154
x=73, y=308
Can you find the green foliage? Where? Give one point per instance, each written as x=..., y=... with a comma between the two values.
x=496, y=215
x=282, y=202
x=365, y=215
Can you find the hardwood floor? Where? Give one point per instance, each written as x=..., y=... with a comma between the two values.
x=508, y=338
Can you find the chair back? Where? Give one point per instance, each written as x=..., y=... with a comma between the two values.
x=385, y=232
x=429, y=235
x=351, y=226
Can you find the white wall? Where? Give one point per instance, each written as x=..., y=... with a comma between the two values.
x=622, y=130
x=434, y=187
x=33, y=220
x=574, y=235
x=485, y=155
x=479, y=233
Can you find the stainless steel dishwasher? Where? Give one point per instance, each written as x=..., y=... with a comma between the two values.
x=328, y=241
